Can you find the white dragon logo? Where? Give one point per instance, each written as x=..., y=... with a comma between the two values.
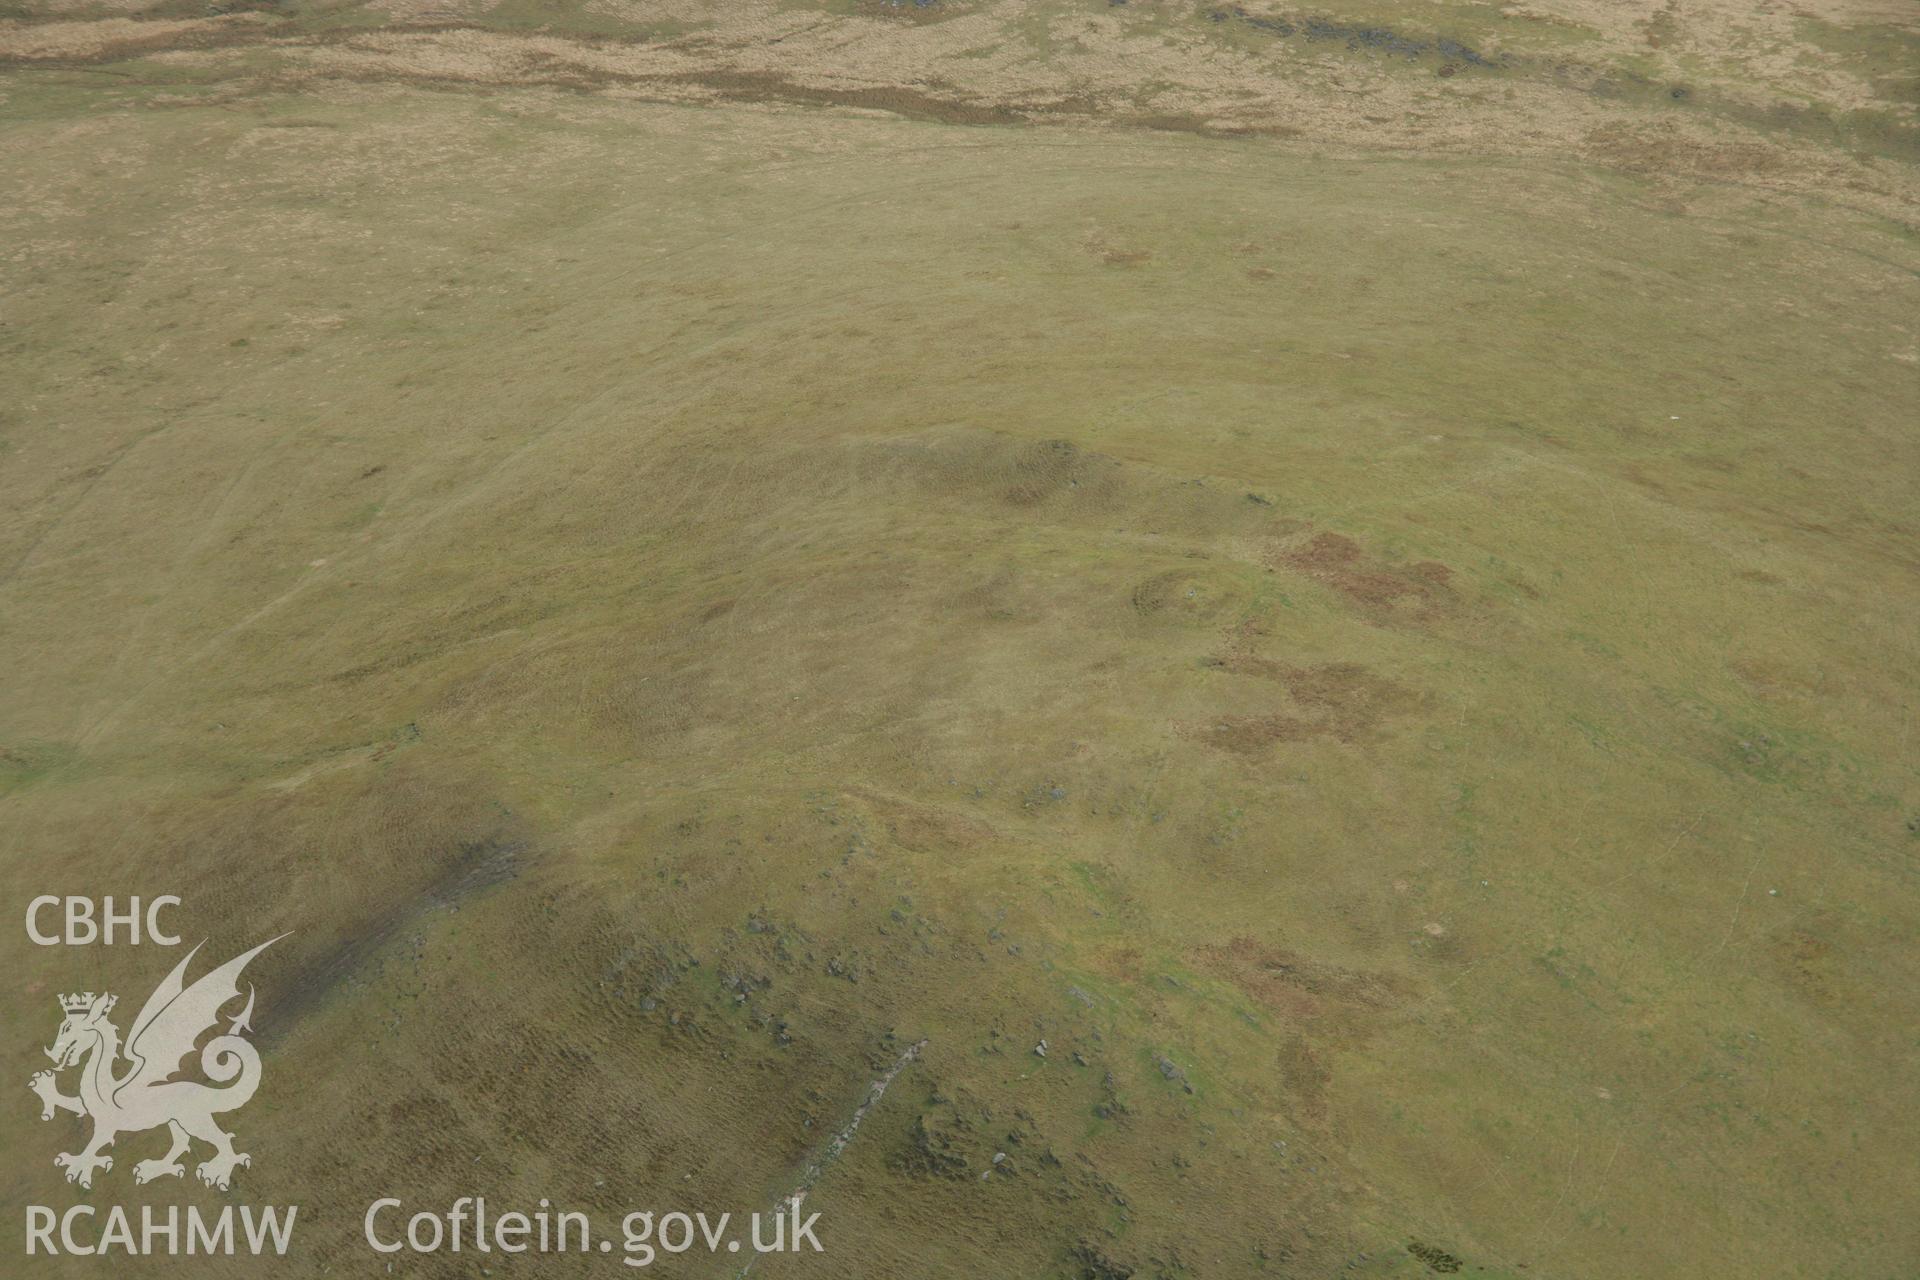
x=146, y=1096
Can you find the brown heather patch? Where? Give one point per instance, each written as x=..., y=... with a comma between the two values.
x=1249, y=735
x=1121, y=964
x=1338, y=562
x=925, y=828
x=1807, y=964
x=914, y=103
x=1347, y=699
x=1307, y=1079
x=1297, y=988
x=1665, y=148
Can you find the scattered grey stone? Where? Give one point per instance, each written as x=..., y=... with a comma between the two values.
x=1040, y=1050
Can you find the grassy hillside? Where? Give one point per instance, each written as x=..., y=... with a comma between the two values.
x=682, y=565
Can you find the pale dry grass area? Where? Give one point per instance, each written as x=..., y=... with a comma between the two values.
x=119, y=37
x=1719, y=91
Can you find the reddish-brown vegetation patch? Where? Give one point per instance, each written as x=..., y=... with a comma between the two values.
x=1349, y=699
x=1338, y=561
x=1249, y=735
x=1340, y=700
x=1296, y=987
x=925, y=827
x=1807, y=962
